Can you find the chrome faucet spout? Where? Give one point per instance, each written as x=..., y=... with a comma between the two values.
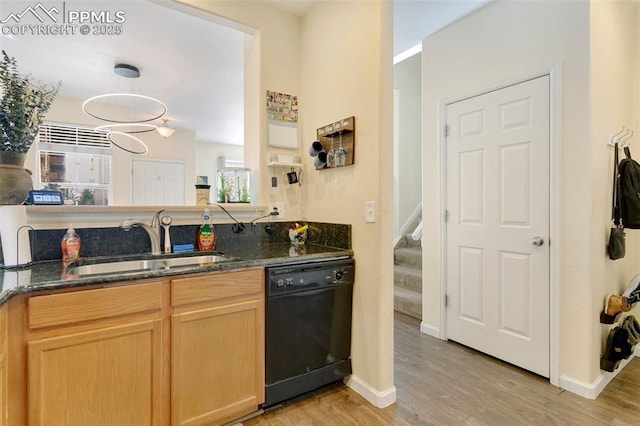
x=155, y=220
x=153, y=231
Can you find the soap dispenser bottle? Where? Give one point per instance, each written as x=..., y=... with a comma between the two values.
x=70, y=246
x=207, y=233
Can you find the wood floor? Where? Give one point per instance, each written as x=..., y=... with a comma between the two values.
x=443, y=383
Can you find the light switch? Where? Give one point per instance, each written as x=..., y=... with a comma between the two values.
x=370, y=211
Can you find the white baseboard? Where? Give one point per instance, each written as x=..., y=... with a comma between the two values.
x=592, y=390
x=377, y=398
x=430, y=330
x=585, y=390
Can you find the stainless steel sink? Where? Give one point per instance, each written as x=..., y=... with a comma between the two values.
x=174, y=262
x=130, y=266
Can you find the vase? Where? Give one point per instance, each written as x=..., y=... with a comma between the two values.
x=15, y=180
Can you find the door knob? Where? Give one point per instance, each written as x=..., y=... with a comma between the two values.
x=537, y=241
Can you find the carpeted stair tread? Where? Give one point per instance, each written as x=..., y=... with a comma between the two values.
x=407, y=241
x=408, y=256
x=407, y=301
x=407, y=277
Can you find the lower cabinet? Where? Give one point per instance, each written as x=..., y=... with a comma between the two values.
x=4, y=395
x=109, y=376
x=184, y=351
x=98, y=361
x=217, y=347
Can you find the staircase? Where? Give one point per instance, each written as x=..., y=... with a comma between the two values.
x=407, y=277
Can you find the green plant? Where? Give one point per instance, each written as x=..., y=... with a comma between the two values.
x=222, y=192
x=51, y=187
x=86, y=198
x=245, y=195
x=22, y=106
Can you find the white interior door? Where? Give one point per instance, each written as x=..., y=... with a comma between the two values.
x=498, y=224
x=155, y=183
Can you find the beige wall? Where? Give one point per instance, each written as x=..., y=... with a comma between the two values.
x=347, y=70
x=614, y=40
x=338, y=60
x=272, y=58
x=502, y=42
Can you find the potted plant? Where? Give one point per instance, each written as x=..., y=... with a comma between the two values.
x=23, y=105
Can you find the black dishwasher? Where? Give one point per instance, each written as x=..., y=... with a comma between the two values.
x=308, y=327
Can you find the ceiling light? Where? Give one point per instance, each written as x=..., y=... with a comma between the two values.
x=164, y=130
x=127, y=127
x=127, y=105
x=111, y=135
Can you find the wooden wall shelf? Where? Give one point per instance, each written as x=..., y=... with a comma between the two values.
x=341, y=133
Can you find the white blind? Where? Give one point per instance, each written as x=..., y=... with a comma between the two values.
x=72, y=135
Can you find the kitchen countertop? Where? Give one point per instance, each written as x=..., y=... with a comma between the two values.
x=50, y=275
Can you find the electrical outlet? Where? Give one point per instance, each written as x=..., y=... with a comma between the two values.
x=280, y=207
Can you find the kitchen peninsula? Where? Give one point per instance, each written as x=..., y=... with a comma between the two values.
x=180, y=345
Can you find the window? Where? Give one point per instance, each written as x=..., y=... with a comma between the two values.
x=75, y=160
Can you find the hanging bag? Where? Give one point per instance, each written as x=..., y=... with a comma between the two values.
x=629, y=191
x=616, y=246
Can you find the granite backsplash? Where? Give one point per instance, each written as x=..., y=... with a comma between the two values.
x=115, y=241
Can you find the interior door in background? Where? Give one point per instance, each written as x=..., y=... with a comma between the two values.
x=157, y=183
x=498, y=224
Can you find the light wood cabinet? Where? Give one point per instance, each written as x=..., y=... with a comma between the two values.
x=184, y=351
x=217, y=347
x=3, y=368
x=95, y=357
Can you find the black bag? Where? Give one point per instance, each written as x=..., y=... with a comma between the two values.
x=629, y=191
x=616, y=246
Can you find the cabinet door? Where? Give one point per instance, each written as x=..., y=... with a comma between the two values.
x=106, y=376
x=3, y=367
x=217, y=363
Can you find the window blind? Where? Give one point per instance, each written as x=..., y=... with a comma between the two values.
x=72, y=135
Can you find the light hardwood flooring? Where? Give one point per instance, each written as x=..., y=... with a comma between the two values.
x=444, y=383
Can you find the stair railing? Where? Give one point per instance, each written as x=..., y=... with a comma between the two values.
x=417, y=233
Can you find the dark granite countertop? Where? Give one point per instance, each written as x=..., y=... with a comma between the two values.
x=49, y=275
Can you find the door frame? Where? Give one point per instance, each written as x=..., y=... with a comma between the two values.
x=554, y=72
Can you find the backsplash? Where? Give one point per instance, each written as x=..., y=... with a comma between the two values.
x=115, y=241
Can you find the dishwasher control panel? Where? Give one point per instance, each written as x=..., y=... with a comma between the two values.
x=287, y=279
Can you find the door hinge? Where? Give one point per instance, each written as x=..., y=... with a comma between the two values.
x=446, y=130
x=446, y=215
x=446, y=300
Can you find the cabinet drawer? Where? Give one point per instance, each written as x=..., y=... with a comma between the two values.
x=216, y=286
x=65, y=308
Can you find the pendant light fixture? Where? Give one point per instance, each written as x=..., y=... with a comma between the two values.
x=124, y=105
x=164, y=130
x=125, y=110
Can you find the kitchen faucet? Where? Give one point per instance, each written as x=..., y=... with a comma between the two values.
x=153, y=230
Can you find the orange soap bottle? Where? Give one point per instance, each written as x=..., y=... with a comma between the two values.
x=207, y=233
x=70, y=246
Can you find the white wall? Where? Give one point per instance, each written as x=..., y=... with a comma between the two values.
x=207, y=154
x=501, y=42
x=407, y=80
